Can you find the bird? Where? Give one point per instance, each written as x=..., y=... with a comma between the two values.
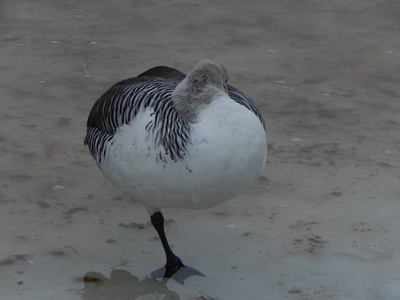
x=171, y=140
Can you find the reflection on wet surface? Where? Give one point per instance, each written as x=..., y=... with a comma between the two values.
x=122, y=285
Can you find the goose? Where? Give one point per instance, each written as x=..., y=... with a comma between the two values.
x=170, y=140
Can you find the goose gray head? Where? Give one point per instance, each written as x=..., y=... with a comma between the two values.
x=204, y=82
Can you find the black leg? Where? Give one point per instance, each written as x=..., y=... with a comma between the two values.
x=174, y=268
x=174, y=263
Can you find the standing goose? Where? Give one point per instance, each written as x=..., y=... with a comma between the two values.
x=174, y=141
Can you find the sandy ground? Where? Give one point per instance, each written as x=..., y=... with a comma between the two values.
x=321, y=223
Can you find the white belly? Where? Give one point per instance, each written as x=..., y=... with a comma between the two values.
x=227, y=153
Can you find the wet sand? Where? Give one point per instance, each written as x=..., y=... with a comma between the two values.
x=321, y=222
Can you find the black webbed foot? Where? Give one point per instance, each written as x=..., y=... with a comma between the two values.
x=177, y=273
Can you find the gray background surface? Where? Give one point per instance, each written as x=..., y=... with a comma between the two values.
x=321, y=223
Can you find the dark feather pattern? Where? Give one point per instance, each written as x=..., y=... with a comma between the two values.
x=153, y=88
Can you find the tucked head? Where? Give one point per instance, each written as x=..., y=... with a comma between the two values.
x=204, y=82
x=206, y=73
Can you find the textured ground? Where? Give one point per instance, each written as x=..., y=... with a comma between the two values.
x=321, y=223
